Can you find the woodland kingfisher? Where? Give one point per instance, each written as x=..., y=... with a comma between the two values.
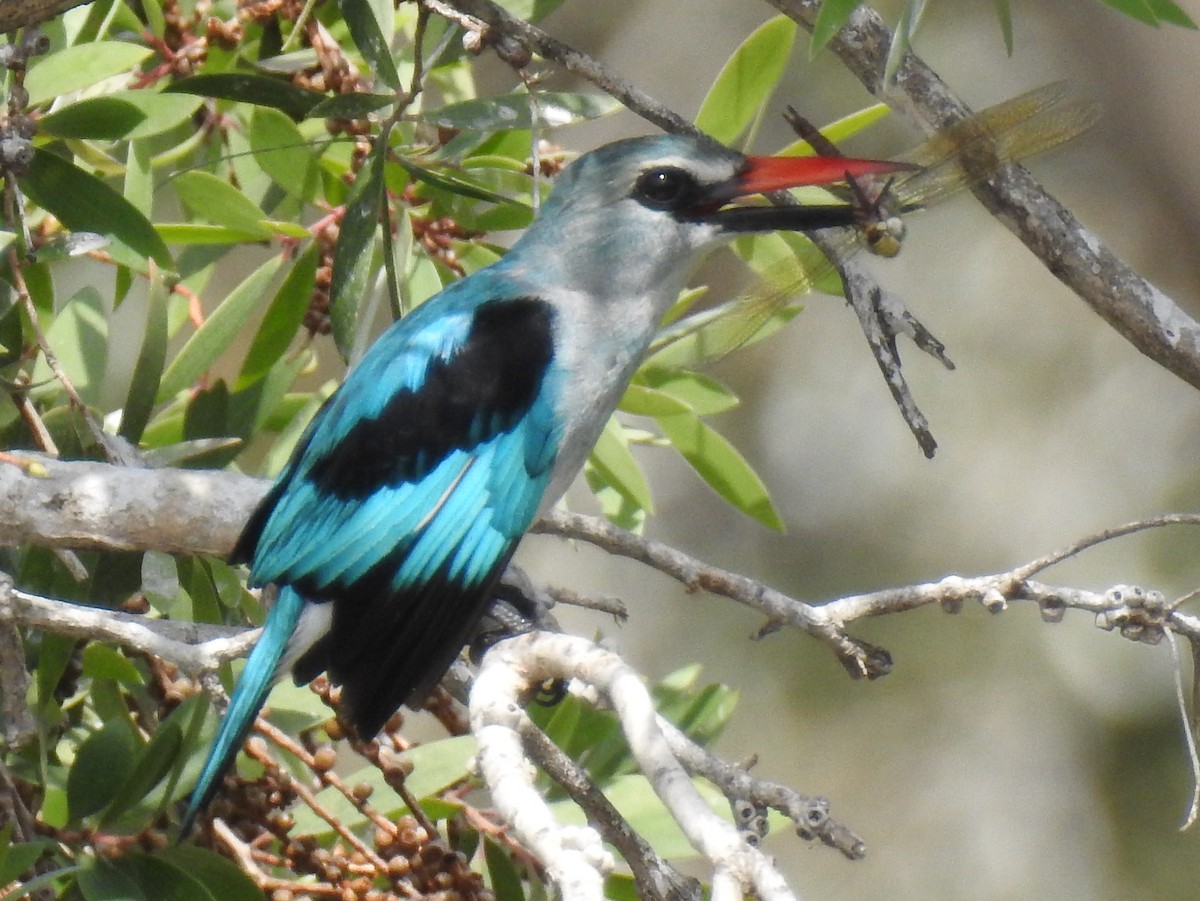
x=407, y=495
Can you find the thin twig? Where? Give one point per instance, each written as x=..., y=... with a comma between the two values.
x=654, y=876
x=244, y=855
x=811, y=815
x=1136, y=309
x=257, y=749
x=327, y=776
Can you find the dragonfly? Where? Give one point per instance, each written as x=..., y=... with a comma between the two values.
x=963, y=154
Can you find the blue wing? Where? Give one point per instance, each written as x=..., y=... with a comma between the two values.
x=400, y=507
x=410, y=491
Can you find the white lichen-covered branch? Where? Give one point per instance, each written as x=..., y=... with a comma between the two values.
x=510, y=672
x=65, y=506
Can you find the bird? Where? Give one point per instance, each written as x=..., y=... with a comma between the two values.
x=406, y=496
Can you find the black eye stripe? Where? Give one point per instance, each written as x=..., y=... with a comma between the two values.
x=666, y=188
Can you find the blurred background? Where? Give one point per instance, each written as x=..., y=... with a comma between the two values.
x=1004, y=757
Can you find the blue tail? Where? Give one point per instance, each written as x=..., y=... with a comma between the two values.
x=249, y=695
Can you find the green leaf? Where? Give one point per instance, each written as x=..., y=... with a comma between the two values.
x=54, y=654
x=215, y=200
x=370, y=39
x=455, y=184
x=103, y=880
x=352, y=256
x=82, y=202
x=830, y=17
x=260, y=90
x=906, y=27
x=1171, y=13
x=841, y=129
x=81, y=66
x=127, y=115
x=296, y=708
x=154, y=17
x=18, y=857
x=641, y=400
x=620, y=887
x=738, y=327
x=439, y=764
x=746, y=82
x=143, y=386
x=503, y=877
x=105, y=760
x=284, y=153
x=721, y=466
x=163, y=880
x=617, y=467
x=704, y=394
x=281, y=321
x=100, y=661
x=1135, y=9
x=436, y=766
x=554, y=109
x=217, y=332
x=1004, y=15
x=531, y=10
x=350, y=106
x=79, y=336
x=221, y=877
x=152, y=765
x=200, y=234
x=634, y=797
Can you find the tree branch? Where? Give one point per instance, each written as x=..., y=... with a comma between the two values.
x=93, y=505
x=16, y=14
x=1136, y=309
x=508, y=674
x=193, y=647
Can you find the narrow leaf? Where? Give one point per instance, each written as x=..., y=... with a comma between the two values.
x=82, y=202
x=143, y=387
x=747, y=80
x=830, y=17
x=351, y=106
x=281, y=321
x=221, y=877
x=127, y=115
x=215, y=200
x=1004, y=14
x=352, y=256
x=902, y=38
x=641, y=400
x=164, y=881
x=284, y=153
x=721, y=466
x=1171, y=13
x=369, y=38
x=704, y=394
x=103, y=880
x=81, y=66
x=201, y=234
x=218, y=331
x=101, y=661
x=1135, y=9
x=104, y=761
x=151, y=766
x=505, y=881
x=554, y=108
x=79, y=336
x=260, y=90
x=618, y=468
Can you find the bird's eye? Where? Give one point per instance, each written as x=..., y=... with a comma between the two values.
x=665, y=188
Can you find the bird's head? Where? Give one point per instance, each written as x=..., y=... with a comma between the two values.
x=647, y=207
